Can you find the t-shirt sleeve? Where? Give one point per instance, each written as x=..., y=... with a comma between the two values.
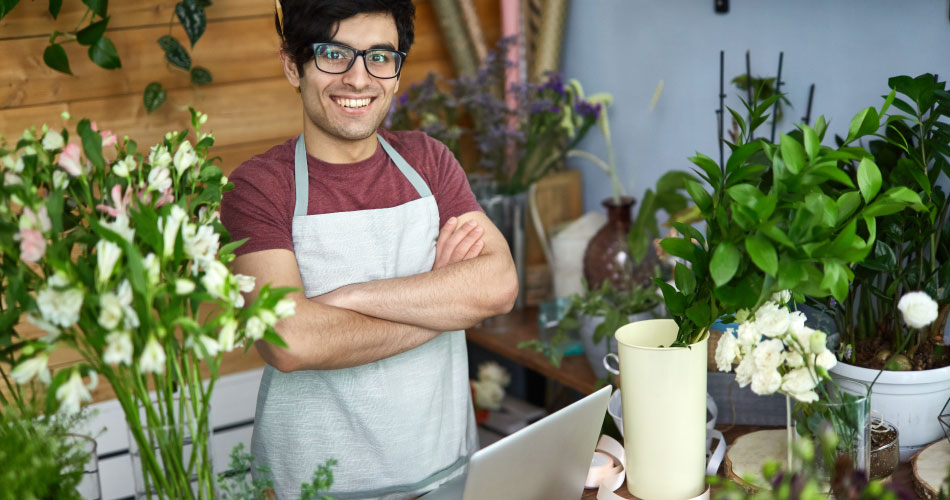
x=452, y=192
x=257, y=209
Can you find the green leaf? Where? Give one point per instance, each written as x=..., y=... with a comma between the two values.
x=91, y=144
x=835, y=280
x=821, y=126
x=232, y=246
x=848, y=203
x=55, y=57
x=746, y=195
x=192, y=17
x=699, y=195
x=699, y=313
x=766, y=205
x=905, y=195
x=763, y=254
x=793, y=154
x=175, y=54
x=887, y=102
x=828, y=170
x=881, y=207
x=739, y=120
x=679, y=247
x=685, y=281
x=99, y=7
x=740, y=155
x=271, y=337
x=864, y=123
x=773, y=231
x=709, y=166
x=104, y=55
x=200, y=76
x=724, y=263
x=54, y=7
x=790, y=273
x=154, y=96
x=812, y=143
x=92, y=33
x=869, y=179
x=675, y=302
x=694, y=233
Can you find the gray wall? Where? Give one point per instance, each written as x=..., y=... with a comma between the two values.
x=848, y=48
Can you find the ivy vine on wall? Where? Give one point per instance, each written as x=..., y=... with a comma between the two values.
x=90, y=32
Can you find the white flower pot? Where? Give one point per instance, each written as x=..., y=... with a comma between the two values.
x=910, y=400
x=595, y=352
x=664, y=411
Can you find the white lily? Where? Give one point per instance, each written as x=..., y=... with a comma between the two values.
x=118, y=349
x=37, y=366
x=73, y=392
x=153, y=358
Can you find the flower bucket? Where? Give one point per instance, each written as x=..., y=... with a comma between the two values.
x=664, y=411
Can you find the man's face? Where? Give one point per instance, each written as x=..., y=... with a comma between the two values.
x=352, y=105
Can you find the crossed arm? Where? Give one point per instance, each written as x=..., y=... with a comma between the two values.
x=473, y=278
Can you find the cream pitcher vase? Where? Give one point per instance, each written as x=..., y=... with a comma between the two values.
x=664, y=411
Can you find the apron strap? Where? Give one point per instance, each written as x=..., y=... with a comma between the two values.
x=414, y=178
x=302, y=177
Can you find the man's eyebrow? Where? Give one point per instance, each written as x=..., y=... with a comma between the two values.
x=385, y=46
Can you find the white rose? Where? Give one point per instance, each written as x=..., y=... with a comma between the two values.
x=107, y=255
x=52, y=141
x=153, y=358
x=227, y=335
x=794, y=359
x=60, y=180
x=118, y=349
x=488, y=394
x=782, y=297
x=159, y=179
x=796, y=322
x=255, y=328
x=769, y=354
x=159, y=157
x=73, y=392
x=34, y=367
x=772, y=320
x=799, y=381
x=918, y=309
x=184, y=286
x=745, y=371
x=748, y=336
x=826, y=359
x=804, y=397
x=185, y=157
x=285, y=308
x=111, y=311
x=818, y=342
x=493, y=372
x=727, y=350
x=765, y=382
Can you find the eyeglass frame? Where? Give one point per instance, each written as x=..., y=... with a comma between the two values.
x=359, y=53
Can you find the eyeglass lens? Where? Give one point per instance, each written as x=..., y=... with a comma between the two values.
x=381, y=63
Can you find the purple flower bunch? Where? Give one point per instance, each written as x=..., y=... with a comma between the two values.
x=516, y=146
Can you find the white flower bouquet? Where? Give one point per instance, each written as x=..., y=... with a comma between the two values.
x=111, y=251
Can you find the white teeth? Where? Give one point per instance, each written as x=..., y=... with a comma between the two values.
x=353, y=103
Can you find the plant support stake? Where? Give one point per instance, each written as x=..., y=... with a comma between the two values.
x=778, y=91
x=748, y=80
x=811, y=94
x=722, y=97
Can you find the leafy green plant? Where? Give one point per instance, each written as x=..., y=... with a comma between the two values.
x=912, y=251
x=90, y=32
x=238, y=484
x=772, y=223
x=37, y=459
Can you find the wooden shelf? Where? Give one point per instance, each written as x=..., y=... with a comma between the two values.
x=502, y=335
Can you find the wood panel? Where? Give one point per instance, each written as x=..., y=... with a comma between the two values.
x=31, y=18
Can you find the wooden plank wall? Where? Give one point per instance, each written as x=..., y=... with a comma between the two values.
x=250, y=104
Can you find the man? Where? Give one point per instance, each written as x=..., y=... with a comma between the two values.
x=375, y=374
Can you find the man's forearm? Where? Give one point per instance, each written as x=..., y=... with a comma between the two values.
x=322, y=337
x=450, y=298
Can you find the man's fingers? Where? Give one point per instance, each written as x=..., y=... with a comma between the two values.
x=465, y=245
x=475, y=251
x=444, y=234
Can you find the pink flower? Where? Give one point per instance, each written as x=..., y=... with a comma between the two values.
x=121, y=202
x=70, y=161
x=145, y=197
x=108, y=138
x=32, y=245
x=34, y=220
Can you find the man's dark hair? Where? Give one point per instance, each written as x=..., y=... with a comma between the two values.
x=308, y=21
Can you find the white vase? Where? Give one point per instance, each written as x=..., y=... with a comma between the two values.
x=910, y=400
x=595, y=351
x=664, y=411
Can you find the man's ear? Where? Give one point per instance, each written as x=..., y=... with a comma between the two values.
x=290, y=70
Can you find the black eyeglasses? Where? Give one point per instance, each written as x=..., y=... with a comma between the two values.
x=336, y=58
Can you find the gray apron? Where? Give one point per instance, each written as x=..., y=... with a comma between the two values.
x=398, y=427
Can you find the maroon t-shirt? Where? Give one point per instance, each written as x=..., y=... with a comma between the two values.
x=261, y=206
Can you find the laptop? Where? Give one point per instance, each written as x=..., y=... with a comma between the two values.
x=548, y=459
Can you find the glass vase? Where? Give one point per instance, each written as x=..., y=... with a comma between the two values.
x=89, y=487
x=166, y=462
x=608, y=254
x=838, y=428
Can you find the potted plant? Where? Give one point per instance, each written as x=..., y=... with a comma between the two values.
x=912, y=253
x=770, y=226
x=111, y=249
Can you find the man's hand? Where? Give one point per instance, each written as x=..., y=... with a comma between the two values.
x=457, y=243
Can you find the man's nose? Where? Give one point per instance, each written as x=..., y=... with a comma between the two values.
x=357, y=76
